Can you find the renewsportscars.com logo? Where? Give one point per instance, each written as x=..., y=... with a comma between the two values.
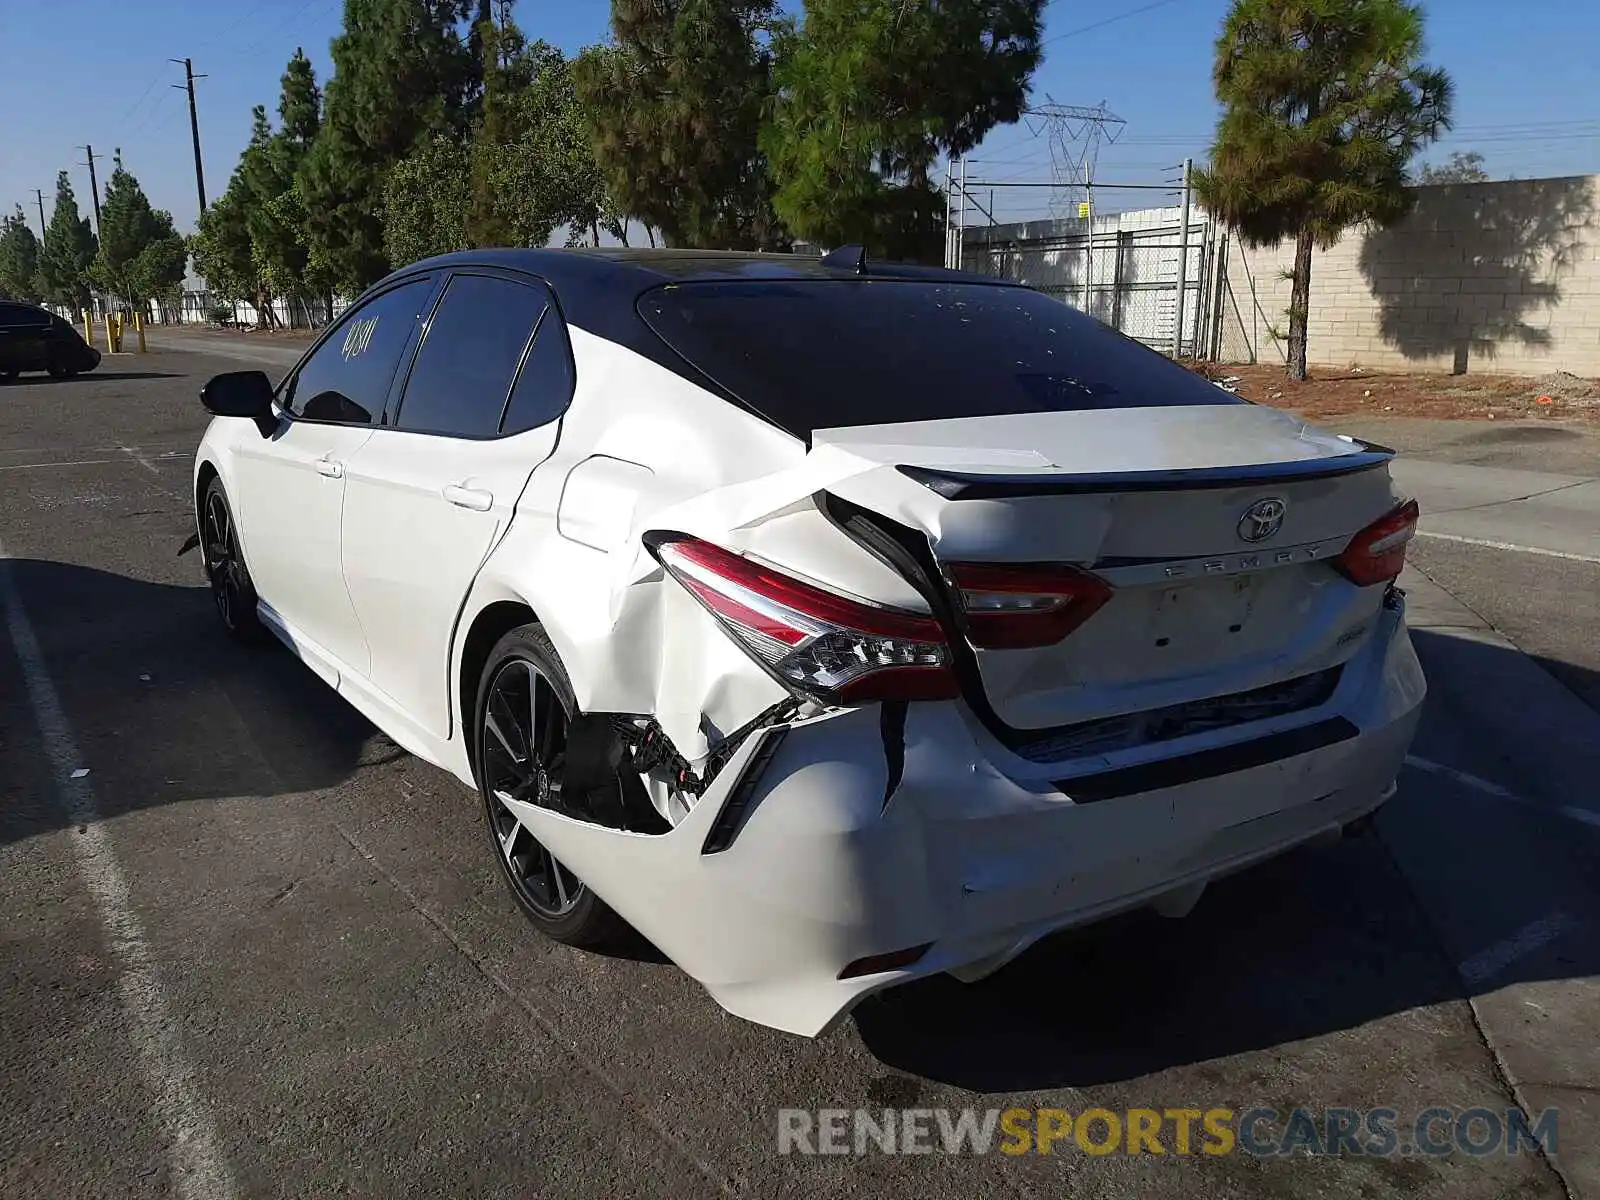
x=1260, y=1132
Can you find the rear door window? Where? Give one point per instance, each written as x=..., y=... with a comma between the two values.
x=544, y=387
x=475, y=344
x=820, y=354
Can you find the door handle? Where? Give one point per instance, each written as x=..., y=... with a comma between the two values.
x=464, y=497
x=330, y=468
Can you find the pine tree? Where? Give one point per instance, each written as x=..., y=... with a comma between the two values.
x=299, y=104
x=870, y=92
x=141, y=255
x=1324, y=104
x=674, y=109
x=69, y=248
x=401, y=75
x=19, y=259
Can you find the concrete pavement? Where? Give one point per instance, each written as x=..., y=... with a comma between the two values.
x=356, y=1007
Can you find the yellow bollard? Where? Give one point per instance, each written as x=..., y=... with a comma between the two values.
x=114, y=332
x=138, y=328
x=88, y=326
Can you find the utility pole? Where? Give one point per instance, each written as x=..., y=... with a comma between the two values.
x=39, y=195
x=94, y=187
x=949, y=211
x=194, y=127
x=1183, y=263
x=961, y=229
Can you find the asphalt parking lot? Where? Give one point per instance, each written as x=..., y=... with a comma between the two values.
x=257, y=950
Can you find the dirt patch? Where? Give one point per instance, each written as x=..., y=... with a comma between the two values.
x=287, y=336
x=1358, y=392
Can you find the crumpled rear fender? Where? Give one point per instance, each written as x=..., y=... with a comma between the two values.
x=633, y=640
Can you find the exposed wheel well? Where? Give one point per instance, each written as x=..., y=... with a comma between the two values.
x=488, y=627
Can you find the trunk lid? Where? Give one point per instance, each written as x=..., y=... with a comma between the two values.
x=1213, y=525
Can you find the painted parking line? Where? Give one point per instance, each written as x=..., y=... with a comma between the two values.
x=1491, y=960
x=146, y=461
x=199, y=1171
x=1489, y=544
x=1571, y=811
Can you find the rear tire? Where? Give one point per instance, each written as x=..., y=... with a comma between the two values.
x=7, y=376
x=524, y=707
x=231, y=588
x=59, y=367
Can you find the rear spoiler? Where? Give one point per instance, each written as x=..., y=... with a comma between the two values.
x=962, y=485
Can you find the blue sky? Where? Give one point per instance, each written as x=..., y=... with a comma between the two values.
x=1528, y=87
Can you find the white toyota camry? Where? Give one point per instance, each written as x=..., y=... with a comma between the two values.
x=830, y=623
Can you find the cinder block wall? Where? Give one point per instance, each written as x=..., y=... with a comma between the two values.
x=1497, y=277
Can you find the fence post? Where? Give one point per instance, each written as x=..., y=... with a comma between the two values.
x=1183, y=264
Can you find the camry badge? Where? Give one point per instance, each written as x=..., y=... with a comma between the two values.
x=1262, y=519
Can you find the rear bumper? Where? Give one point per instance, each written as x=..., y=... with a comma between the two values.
x=835, y=863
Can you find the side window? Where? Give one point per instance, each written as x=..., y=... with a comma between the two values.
x=473, y=347
x=348, y=378
x=544, y=389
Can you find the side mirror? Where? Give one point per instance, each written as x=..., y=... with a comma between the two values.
x=241, y=394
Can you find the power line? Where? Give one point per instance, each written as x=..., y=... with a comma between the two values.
x=127, y=113
x=217, y=37
x=1132, y=12
x=281, y=25
x=150, y=116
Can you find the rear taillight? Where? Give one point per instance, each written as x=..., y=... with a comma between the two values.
x=1018, y=606
x=1378, y=552
x=829, y=646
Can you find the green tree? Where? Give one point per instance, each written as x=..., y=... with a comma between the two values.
x=19, y=259
x=510, y=67
x=425, y=201
x=1324, y=104
x=402, y=73
x=69, y=248
x=533, y=162
x=1462, y=168
x=674, y=109
x=871, y=92
x=222, y=251
x=141, y=255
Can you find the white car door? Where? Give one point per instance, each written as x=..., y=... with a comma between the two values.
x=289, y=489
x=431, y=493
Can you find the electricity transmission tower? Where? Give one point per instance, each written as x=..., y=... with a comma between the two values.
x=1076, y=134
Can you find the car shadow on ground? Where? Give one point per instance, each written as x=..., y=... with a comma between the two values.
x=156, y=691
x=87, y=377
x=1324, y=939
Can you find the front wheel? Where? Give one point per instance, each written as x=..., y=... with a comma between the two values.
x=525, y=706
x=231, y=589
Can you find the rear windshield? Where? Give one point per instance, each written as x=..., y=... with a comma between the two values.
x=820, y=354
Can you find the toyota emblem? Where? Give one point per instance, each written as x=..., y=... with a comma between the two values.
x=1262, y=519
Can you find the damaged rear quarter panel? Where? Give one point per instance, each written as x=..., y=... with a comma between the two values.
x=683, y=460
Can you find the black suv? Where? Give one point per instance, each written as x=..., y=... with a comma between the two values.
x=32, y=339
